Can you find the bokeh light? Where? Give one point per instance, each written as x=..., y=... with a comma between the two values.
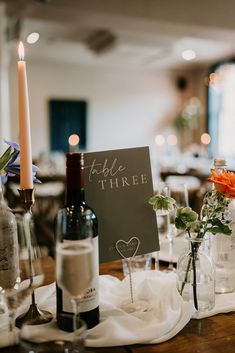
x=172, y=140
x=188, y=54
x=32, y=38
x=74, y=140
x=205, y=139
x=159, y=140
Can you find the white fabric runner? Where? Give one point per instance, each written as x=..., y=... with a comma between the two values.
x=164, y=316
x=166, y=313
x=45, y=299
x=224, y=303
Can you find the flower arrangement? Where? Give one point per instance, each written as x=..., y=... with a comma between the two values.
x=9, y=165
x=214, y=216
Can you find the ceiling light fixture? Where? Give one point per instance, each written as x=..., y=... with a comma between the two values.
x=188, y=54
x=101, y=40
x=32, y=38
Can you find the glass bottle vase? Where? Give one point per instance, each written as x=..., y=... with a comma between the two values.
x=222, y=247
x=222, y=250
x=195, y=276
x=8, y=244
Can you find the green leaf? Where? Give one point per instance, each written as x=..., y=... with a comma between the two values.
x=214, y=230
x=187, y=214
x=6, y=157
x=203, y=211
x=180, y=224
x=219, y=209
x=161, y=202
x=195, y=226
x=219, y=227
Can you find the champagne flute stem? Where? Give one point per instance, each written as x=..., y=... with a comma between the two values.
x=156, y=260
x=11, y=320
x=171, y=264
x=11, y=326
x=33, y=298
x=76, y=304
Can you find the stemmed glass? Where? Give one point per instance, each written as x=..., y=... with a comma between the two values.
x=74, y=266
x=163, y=222
x=167, y=228
x=26, y=272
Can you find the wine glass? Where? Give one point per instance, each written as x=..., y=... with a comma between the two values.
x=179, y=192
x=74, y=263
x=23, y=269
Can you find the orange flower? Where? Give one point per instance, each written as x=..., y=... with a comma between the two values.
x=224, y=182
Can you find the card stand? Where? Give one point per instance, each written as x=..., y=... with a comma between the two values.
x=131, y=306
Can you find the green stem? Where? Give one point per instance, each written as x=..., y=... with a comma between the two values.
x=193, y=260
x=194, y=279
x=187, y=270
x=186, y=276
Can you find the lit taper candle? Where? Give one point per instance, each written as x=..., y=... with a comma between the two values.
x=26, y=175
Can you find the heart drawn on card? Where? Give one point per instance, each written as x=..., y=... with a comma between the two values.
x=127, y=248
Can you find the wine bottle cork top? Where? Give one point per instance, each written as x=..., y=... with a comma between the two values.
x=74, y=159
x=220, y=162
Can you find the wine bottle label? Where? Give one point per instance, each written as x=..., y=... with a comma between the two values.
x=90, y=299
x=9, y=270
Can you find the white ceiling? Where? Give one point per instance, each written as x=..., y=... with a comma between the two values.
x=151, y=34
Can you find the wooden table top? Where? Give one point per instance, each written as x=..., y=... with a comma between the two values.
x=211, y=335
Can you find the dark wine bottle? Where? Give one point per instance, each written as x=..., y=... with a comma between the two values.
x=77, y=220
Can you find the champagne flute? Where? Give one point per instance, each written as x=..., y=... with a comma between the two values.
x=74, y=265
x=179, y=192
x=163, y=223
x=32, y=254
x=25, y=270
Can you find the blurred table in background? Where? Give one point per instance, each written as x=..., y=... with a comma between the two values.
x=202, y=176
x=195, y=180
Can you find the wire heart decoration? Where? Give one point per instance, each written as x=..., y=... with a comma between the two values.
x=125, y=246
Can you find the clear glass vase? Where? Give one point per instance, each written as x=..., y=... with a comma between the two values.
x=222, y=250
x=195, y=276
x=223, y=256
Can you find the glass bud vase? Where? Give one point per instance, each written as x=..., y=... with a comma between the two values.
x=195, y=276
x=8, y=244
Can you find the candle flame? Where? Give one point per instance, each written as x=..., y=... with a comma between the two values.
x=21, y=51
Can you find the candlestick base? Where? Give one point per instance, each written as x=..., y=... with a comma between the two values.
x=33, y=315
x=27, y=198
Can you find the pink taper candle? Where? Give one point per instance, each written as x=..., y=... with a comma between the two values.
x=26, y=175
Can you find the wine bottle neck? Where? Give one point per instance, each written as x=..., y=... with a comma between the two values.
x=74, y=197
x=75, y=187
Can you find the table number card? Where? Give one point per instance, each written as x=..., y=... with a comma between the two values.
x=118, y=186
